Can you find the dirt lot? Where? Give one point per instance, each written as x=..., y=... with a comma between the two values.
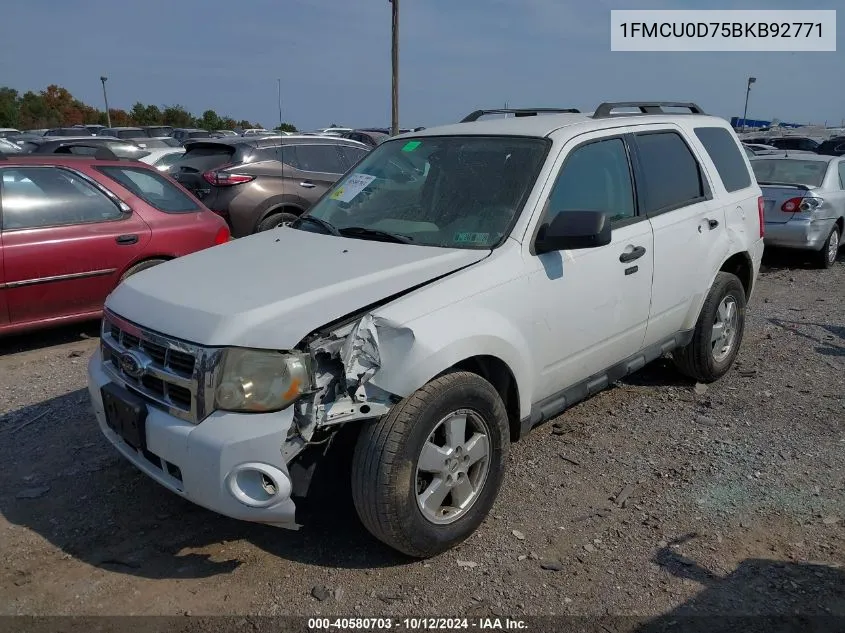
x=735, y=499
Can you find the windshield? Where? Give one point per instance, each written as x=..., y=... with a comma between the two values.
x=456, y=192
x=789, y=171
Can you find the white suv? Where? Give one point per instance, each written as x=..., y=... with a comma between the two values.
x=457, y=287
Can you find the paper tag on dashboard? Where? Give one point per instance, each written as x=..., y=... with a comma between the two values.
x=352, y=186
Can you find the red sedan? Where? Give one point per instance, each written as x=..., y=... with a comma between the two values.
x=73, y=227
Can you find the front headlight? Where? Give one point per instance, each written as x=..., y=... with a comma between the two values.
x=260, y=380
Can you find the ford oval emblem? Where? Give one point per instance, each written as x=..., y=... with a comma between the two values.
x=133, y=364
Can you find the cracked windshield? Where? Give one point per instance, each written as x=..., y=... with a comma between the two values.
x=456, y=192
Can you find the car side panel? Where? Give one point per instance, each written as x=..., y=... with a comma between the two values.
x=4, y=307
x=60, y=271
x=460, y=317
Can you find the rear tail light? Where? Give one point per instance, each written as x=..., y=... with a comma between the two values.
x=761, y=207
x=791, y=206
x=222, y=236
x=225, y=179
x=797, y=205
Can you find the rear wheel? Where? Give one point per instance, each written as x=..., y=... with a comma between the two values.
x=275, y=220
x=718, y=332
x=141, y=266
x=425, y=476
x=826, y=257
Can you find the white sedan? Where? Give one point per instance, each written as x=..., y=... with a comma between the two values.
x=163, y=158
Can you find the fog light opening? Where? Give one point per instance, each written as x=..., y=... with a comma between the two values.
x=258, y=485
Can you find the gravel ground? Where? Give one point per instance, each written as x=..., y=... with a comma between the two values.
x=655, y=497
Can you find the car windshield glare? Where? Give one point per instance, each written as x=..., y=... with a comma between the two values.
x=790, y=171
x=446, y=191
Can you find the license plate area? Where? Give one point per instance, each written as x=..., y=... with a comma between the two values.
x=126, y=414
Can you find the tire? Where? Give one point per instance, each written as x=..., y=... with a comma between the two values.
x=273, y=220
x=826, y=257
x=699, y=358
x=141, y=266
x=385, y=479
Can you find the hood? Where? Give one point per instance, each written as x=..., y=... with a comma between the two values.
x=272, y=289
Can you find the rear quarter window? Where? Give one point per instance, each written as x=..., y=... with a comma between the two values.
x=724, y=152
x=152, y=188
x=671, y=174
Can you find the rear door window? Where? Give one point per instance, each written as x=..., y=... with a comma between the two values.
x=34, y=197
x=351, y=154
x=724, y=152
x=671, y=174
x=152, y=188
x=319, y=158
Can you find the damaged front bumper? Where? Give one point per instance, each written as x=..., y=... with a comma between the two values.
x=231, y=463
x=245, y=465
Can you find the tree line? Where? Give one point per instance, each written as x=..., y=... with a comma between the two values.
x=56, y=107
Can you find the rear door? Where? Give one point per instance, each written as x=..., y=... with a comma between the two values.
x=317, y=168
x=4, y=310
x=65, y=242
x=199, y=158
x=690, y=237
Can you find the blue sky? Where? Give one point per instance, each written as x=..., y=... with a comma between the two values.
x=333, y=57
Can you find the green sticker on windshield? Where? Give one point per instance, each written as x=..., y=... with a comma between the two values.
x=471, y=238
x=410, y=146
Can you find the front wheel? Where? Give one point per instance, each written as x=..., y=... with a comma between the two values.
x=718, y=332
x=826, y=257
x=425, y=476
x=275, y=220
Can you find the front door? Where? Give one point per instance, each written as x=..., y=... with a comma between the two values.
x=592, y=304
x=65, y=243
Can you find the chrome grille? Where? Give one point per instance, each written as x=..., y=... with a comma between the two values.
x=178, y=377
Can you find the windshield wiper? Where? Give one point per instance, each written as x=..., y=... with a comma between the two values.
x=363, y=232
x=331, y=228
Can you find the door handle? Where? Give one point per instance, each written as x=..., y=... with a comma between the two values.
x=712, y=224
x=307, y=185
x=629, y=256
x=125, y=240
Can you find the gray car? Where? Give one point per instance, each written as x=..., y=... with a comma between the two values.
x=256, y=183
x=804, y=202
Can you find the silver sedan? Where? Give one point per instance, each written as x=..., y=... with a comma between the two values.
x=804, y=198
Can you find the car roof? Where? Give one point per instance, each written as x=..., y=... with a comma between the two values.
x=124, y=127
x=269, y=141
x=73, y=139
x=62, y=159
x=543, y=125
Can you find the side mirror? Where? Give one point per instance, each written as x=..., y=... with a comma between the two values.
x=573, y=230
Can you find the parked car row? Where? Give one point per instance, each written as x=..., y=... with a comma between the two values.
x=834, y=146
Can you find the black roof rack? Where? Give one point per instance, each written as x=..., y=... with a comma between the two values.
x=474, y=116
x=605, y=110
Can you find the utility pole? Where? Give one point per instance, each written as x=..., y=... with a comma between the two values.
x=106, y=99
x=751, y=80
x=394, y=58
